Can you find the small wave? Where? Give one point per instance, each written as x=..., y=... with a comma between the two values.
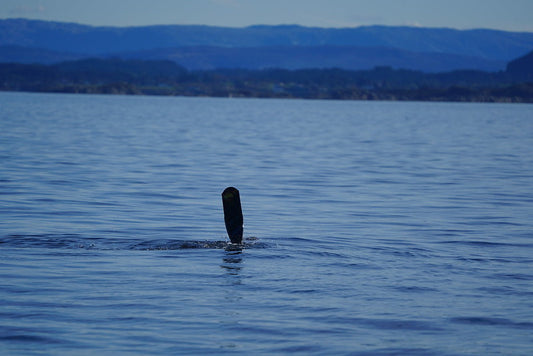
x=66, y=241
x=385, y=324
x=506, y=291
x=394, y=352
x=73, y=241
x=414, y=289
x=513, y=276
x=23, y=338
x=392, y=324
x=487, y=321
x=481, y=243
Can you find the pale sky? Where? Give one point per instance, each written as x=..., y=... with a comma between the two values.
x=511, y=15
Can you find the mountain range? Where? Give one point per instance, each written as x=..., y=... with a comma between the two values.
x=259, y=47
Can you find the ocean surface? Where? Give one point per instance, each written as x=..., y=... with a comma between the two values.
x=372, y=228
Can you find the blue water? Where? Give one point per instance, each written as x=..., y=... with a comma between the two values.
x=373, y=228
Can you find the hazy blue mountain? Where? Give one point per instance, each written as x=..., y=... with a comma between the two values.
x=204, y=47
x=296, y=57
x=20, y=54
x=522, y=66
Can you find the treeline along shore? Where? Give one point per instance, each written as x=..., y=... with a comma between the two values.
x=145, y=77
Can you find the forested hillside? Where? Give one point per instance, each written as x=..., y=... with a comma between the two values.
x=167, y=78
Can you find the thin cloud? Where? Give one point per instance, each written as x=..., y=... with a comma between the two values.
x=27, y=10
x=414, y=24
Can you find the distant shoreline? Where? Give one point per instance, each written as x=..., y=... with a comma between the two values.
x=166, y=78
x=482, y=96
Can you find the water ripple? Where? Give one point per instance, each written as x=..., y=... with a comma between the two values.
x=73, y=241
x=487, y=321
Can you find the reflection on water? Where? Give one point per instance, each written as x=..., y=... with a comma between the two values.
x=232, y=263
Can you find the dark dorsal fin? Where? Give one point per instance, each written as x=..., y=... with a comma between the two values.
x=231, y=201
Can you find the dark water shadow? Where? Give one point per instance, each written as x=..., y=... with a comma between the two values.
x=75, y=241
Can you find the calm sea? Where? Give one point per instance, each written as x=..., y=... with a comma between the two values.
x=373, y=228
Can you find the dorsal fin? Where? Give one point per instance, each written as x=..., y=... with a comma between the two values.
x=231, y=201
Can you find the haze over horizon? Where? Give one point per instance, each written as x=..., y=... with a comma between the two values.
x=460, y=14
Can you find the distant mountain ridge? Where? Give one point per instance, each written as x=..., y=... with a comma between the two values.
x=19, y=54
x=256, y=47
x=317, y=57
x=522, y=66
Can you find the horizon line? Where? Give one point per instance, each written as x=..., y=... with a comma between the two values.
x=266, y=25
